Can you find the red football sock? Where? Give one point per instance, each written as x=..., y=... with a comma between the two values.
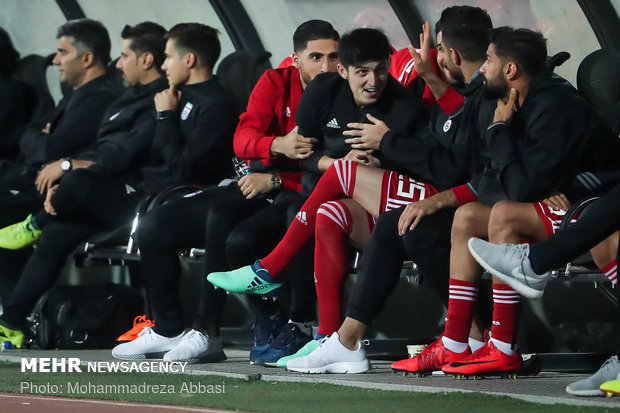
x=333, y=227
x=336, y=183
x=460, y=305
x=505, y=312
x=611, y=271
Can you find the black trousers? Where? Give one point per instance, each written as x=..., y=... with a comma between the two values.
x=235, y=232
x=381, y=262
x=253, y=237
x=601, y=220
x=86, y=202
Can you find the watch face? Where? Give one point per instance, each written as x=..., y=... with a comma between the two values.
x=65, y=165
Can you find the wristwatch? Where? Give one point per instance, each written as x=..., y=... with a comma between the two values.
x=276, y=182
x=66, y=165
x=163, y=114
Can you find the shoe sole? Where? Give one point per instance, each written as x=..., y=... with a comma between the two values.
x=211, y=358
x=585, y=393
x=516, y=285
x=336, y=368
x=142, y=356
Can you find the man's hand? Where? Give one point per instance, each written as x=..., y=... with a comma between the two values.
x=255, y=184
x=423, y=60
x=293, y=145
x=47, y=205
x=46, y=130
x=167, y=99
x=558, y=201
x=362, y=157
x=366, y=135
x=504, y=111
x=48, y=175
x=414, y=212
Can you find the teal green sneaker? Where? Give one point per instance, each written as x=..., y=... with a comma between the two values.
x=20, y=235
x=13, y=336
x=251, y=279
x=304, y=351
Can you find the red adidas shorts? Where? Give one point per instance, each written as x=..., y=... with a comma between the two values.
x=551, y=217
x=398, y=190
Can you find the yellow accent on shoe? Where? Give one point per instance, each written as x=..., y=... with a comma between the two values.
x=611, y=387
x=20, y=235
x=16, y=337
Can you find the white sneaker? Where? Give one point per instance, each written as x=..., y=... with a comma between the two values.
x=148, y=345
x=610, y=370
x=196, y=347
x=511, y=264
x=331, y=357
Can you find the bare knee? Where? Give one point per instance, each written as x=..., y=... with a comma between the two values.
x=470, y=220
x=504, y=216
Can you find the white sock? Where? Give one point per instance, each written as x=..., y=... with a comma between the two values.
x=474, y=344
x=454, y=346
x=305, y=328
x=504, y=347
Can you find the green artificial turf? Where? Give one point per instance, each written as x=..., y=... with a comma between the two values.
x=261, y=396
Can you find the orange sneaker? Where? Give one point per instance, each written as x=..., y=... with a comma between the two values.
x=432, y=358
x=487, y=360
x=139, y=323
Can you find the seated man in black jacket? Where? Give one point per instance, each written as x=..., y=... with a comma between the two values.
x=83, y=52
x=537, y=147
x=144, y=154
x=17, y=100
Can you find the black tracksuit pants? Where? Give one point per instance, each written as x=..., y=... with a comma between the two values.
x=381, y=262
x=86, y=202
x=234, y=231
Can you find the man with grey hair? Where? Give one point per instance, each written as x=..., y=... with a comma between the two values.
x=82, y=54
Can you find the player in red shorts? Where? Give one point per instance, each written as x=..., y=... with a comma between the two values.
x=537, y=147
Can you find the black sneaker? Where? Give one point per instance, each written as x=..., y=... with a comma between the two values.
x=288, y=342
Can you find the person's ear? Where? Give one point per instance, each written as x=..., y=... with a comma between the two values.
x=146, y=60
x=296, y=58
x=511, y=71
x=88, y=59
x=455, y=55
x=342, y=71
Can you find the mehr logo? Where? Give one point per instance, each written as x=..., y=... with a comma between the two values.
x=51, y=365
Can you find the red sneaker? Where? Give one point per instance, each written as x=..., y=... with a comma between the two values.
x=486, y=360
x=432, y=358
x=139, y=323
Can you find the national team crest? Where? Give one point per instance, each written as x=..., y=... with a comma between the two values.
x=447, y=125
x=186, y=111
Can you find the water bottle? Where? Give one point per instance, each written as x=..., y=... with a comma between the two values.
x=242, y=167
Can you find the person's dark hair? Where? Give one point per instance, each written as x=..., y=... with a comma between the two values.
x=527, y=48
x=363, y=45
x=147, y=37
x=90, y=35
x=465, y=29
x=8, y=55
x=198, y=39
x=313, y=30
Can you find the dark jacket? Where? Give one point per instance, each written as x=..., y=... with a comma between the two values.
x=327, y=106
x=195, y=144
x=75, y=122
x=452, y=149
x=554, y=136
x=17, y=103
x=126, y=132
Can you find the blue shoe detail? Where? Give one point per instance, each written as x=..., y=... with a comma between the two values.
x=288, y=342
x=265, y=329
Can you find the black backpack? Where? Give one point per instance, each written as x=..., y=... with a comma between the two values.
x=84, y=316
